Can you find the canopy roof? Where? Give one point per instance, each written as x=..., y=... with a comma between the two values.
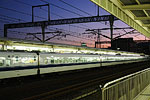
x=140, y=9
x=135, y=13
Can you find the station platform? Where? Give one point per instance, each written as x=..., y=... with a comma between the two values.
x=145, y=94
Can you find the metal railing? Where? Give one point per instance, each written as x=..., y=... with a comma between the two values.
x=126, y=88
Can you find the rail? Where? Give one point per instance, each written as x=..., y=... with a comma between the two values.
x=126, y=88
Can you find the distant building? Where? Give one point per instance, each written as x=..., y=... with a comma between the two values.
x=83, y=44
x=124, y=44
x=144, y=47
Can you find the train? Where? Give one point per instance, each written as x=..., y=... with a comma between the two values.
x=23, y=63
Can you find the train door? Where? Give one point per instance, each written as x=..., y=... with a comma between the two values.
x=8, y=62
x=2, y=61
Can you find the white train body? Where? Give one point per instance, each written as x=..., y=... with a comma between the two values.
x=15, y=64
x=12, y=59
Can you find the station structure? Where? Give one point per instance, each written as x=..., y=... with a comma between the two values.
x=135, y=13
x=26, y=45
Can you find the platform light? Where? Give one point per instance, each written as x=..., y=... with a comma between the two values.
x=62, y=50
x=28, y=48
x=69, y=50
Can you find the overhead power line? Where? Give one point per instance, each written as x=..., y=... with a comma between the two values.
x=8, y=19
x=2, y=21
x=72, y=34
x=62, y=8
x=74, y=7
x=52, y=13
x=20, y=12
x=73, y=41
x=40, y=8
x=18, y=19
x=22, y=2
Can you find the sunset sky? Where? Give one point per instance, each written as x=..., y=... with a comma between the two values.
x=16, y=11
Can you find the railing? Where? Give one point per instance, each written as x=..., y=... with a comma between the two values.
x=126, y=88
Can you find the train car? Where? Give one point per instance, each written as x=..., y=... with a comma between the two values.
x=57, y=58
x=16, y=64
x=12, y=59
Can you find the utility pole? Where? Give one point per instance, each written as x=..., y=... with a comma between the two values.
x=5, y=32
x=43, y=26
x=111, y=21
x=97, y=10
x=98, y=39
x=41, y=6
x=43, y=33
x=98, y=33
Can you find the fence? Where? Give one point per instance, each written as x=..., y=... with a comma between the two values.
x=126, y=88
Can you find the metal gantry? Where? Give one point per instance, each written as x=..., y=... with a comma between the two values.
x=59, y=22
x=44, y=24
x=57, y=33
x=98, y=33
x=48, y=7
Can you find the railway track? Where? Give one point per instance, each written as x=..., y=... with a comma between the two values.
x=90, y=87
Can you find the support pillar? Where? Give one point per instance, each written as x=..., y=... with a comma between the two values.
x=48, y=12
x=5, y=31
x=32, y=14
x=43, y=33
x=41, y=6
x=111, y=21
x=99, y=42
x=97, y=10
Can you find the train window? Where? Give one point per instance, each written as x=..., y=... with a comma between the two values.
x=64, y=60
x=56, y=61
x=34, y=58
x=45, y=61
x=8, y=62
x=1, y=62
x=17, y=58
x=71, y=60
x=52, y=61
x=60, y=61
x=76, y=60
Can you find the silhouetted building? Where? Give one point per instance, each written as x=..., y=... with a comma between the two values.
x=124, y=44
x=83, y=44
x=144, y=47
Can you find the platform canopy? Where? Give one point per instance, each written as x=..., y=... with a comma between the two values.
x=135, y=13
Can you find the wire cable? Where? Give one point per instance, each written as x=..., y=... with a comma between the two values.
x=52, y=13
x=74, y=7
x=8, y=19
x=20, y=12
x=18, y=19
x=72, y=34
x=62, y=8
x=2, y=21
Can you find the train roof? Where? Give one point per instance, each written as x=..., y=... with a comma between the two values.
x=14, y=41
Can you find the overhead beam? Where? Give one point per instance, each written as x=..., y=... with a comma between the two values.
x=142, y=18
x=137, y=7
x=45, y=33
x=40, y=7
x=124, y=34
x=143, y=9
x=114, y=7
x=60, y=22
x=109, y=28
x=146, y=25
